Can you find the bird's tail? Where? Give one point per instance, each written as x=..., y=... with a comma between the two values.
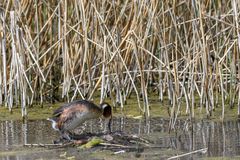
x=54, y=124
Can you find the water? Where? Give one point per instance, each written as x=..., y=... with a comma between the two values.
x=221, y=139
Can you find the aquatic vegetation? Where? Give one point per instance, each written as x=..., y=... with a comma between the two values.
x=92, y=143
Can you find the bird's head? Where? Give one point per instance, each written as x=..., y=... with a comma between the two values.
x=107, y=113
x=106, y=110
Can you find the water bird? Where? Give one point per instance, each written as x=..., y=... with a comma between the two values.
x=69, y=116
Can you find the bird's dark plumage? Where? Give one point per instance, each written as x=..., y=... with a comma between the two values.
x=71, y=115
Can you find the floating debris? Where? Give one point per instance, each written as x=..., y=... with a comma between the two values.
x=92, y=143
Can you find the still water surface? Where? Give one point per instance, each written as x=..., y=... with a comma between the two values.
x=221, y=139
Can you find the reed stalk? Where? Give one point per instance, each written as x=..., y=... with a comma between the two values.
x=60, y=51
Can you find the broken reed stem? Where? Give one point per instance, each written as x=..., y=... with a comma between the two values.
x=46, y=145
x=103, y=71
x=203, y=150
x=222, y=92
x=183, y=50
x=4, y=58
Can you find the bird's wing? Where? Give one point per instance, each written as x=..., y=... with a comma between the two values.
x=65, y=117
x=60, y=110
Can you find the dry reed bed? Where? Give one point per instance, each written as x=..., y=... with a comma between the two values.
x=184, y=49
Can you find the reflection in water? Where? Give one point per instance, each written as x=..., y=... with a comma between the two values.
x=221, y=139
x=16, y=133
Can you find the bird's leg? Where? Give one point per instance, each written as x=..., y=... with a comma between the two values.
x=65, y=135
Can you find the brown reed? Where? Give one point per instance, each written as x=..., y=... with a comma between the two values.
x=184, y=49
